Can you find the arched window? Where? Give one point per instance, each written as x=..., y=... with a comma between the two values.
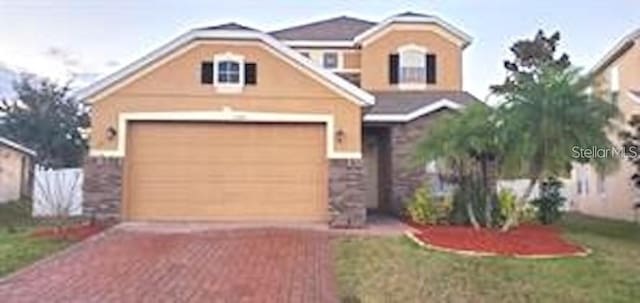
x=412, y=65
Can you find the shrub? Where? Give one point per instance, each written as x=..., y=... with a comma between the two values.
x=422, y=208
x=506, y=202
x=471, y=191
x=550, y=201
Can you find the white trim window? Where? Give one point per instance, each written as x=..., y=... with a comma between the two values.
x=228, y=72
x=614, y=85
x=412, y=67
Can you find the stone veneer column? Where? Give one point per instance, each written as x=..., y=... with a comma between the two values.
x=406, y=176
x=347, y=207
x=102, y=187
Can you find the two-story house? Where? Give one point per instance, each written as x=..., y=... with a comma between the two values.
x=316, y=122
x=616, y=79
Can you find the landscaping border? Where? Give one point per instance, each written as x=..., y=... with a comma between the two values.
x=470, y=253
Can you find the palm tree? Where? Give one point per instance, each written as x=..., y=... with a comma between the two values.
x=545, y=117
x=465, y=143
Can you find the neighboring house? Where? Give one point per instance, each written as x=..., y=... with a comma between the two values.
x=16, y=171
x=316, y=122
x=617, y=80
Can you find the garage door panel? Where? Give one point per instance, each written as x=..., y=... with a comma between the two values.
x=216, y=171
x=236, y=154
x=226, y=173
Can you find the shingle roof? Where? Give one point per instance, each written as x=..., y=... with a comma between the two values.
x=412, y=14
x=334, y=29
x=228, y=26
x=394, y=102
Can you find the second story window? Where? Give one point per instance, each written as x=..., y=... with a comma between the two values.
x=228, y=72
x=413, y=67
x=614, y=85
x=330, y=60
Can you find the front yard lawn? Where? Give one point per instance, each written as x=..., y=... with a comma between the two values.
x=397, y=270
x=19, y=249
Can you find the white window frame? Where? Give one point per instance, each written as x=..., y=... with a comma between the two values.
x=228, y=87
x=614, y=79
x=410, y=48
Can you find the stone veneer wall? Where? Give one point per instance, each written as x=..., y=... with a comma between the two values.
x=405, y=176
x=102, y=187
x=347, y=207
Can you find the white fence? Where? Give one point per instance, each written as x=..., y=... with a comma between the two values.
x=57, y=192
x=519, y=186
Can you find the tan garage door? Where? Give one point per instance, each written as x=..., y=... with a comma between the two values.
x=225, y=171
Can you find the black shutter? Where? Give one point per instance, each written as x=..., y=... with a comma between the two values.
x=250, y=73
x=394, y=61
x=431, y=68
x=206, y=72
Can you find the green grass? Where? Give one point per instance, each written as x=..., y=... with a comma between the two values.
x=396, y=270
x=17, y=247
x=15, y=215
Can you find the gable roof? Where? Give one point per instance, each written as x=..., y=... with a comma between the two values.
x=342, y=28
x=618, y=50
x=21, y=148
x=411, y=17
x=346, y=31
x=228, y=26
x=403, y=106
x=230, y=31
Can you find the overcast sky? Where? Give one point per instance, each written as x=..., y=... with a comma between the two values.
x=90, y=37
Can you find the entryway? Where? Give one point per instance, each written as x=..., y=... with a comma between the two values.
x=377, y=168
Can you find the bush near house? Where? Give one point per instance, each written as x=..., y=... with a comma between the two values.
x=425, y=208
x=550, y=201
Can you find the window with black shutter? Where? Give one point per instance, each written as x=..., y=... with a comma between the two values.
x=393, y=68
x=431, y=68
x=250, y=74
x=206, y=72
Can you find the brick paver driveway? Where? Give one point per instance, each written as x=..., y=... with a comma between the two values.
x=254, y=265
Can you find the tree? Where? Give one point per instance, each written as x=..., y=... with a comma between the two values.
x=468, y=146
x=45, y=118
x=546, y=114
x=530, y=55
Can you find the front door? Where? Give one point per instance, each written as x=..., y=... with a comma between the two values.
x=371, y=153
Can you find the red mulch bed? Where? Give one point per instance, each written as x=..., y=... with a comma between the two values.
x=525, y=240
x=76, y=232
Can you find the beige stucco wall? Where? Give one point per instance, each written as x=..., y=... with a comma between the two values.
x=376, y=50
x=175, y=86
x=348, y=57
x=619, y=194
x=10, y=173
x=352, y=59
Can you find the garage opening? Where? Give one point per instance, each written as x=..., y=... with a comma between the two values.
x=226, y=171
